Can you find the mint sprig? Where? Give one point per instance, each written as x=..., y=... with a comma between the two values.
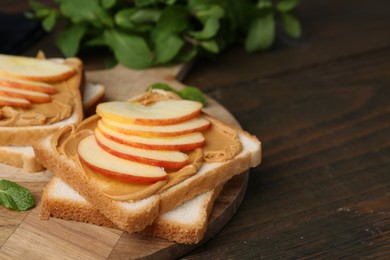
x=146, y=33
x=13, y=196
x=187, y=92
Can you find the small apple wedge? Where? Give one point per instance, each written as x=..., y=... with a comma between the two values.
x=33, y=96
x=174, y=143
x=165, y=159
x=189, y=126
x=14, y=102
x=27, y=68
x=28, y=85
x=112, y=166
x=164, y=112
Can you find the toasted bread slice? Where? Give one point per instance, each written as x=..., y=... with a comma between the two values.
x=25, y=135
x=24, y=156
x=186, y=223
x=135, y=216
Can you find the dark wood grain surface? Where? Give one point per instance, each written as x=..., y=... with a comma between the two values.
x=321, y=108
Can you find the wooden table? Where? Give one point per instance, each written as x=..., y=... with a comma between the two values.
x=321, y=107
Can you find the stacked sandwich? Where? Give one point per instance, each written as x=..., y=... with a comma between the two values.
x=37, y=97
x=144, y=165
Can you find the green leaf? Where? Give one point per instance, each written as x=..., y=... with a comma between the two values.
x=167, y=46
x=291, y=25
x=187, y=54
x=264, y=4
x=188, y=92
x=145, y=16
x=207, y=12
x=50, y=21
x=209, y=30
x=37, y=6
x=110, y=62
x=130, y=50
x=123, y=18
x=193, y=93
x=69, y=39
x=286, y=5
x=163, y=86
x=86, y=10
x=108, y=4
x=143, y=3
x=210, y=45
x=261, y=33
x=173, y=19
x=99, y=40
x=13, y=196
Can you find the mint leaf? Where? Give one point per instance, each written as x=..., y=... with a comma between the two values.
x=291, y=25
x=163, y=86
x=189, y=93
x=192, y=93
x=86, y=10
x=210, y=45
x=173, y=19
x=167, y=45
x=146, y=16
x=69, y=39
x=123, y=18
x=264, y=4
x=13, y=196
x=261, y=33
x=209, y=30
x=286, y=5
x=107, y=4
x=130, y=50
x=49, y=22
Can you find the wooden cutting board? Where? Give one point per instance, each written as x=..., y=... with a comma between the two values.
x=24, y=236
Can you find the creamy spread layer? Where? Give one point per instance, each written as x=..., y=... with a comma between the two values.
x=222, y=143
x=39, y=114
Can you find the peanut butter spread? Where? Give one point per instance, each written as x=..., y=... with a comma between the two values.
x=60, y=107
x=222, y=143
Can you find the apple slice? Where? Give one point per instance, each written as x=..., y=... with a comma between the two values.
x=27, y=84
x=14, y=102
x=174, y=143
x=189, y=126
x=92, y=155
x=164, y=112
x=166, y=159
x=33, y=96
x=34, y=69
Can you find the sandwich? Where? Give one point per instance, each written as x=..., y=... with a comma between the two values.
x=136, y=160
x=186, y=224
x=37, y=97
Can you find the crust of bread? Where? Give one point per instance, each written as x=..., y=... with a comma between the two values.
x=135, y=216
x=8, y=135
x=185, y=233
x=21, y=157
x=76, y=208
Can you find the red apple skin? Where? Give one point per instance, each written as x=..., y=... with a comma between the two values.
x=157, y=122
x=179, y=147
x=124, y=177
x=156, y=134
x=26, y=86
x=34, y=99
x=14, y=104
x=164, y=164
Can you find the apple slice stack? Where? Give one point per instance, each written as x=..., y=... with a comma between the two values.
x=24, y=80
x=136, y=143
